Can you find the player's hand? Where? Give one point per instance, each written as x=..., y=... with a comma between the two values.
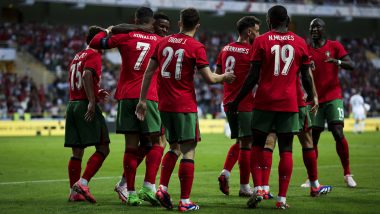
x=103, y=95
x=89, y=116
x=232, y=107
x=229, y=77
x=141, y=110
x=332, y=60
x=315, y=106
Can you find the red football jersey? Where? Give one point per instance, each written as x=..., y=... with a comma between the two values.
x=135, y=49
x=89, y=59
x=178, y=55
x=326, y=74
x=281, y=55
x=236, y=56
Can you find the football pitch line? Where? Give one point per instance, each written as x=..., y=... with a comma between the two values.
x=140, y=176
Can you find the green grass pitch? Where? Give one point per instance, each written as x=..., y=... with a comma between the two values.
x=33, y=178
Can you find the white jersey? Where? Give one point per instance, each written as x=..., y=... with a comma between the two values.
x=357, y=104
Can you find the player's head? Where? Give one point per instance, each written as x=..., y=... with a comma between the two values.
x=248, y=26
x=277, y=16
x=189, y=19
x=317, y=28
x=161, y=24
x=144, y=15
x=92, y=31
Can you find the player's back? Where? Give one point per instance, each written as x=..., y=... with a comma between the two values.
x=281, y=56
x=236, y=56
x=178, y=55
x=357, y=101
x=86, y=59
x=135, y=48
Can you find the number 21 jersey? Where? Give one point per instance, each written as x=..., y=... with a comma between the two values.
x=178, y=55
x=281, y=55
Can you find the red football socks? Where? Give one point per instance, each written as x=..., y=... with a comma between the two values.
x=130, y=166
x=285, y=169
x=74, y=168
x=167, y=167
x=232, y=157
x=153, y=161
x=310, y=161
x=343, y=152
x=93, y=165
x=186, y=177
x=266, y=166
x=256, y=155
x=244, y=165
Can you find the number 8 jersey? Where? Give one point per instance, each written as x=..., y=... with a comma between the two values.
x=236, y=56
x=88, y=59
x=177, y=56
x=281, y=55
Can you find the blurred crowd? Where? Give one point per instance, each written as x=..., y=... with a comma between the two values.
x=321, y=2
x=54, y=46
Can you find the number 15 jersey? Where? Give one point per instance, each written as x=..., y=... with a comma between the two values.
x=281, y=55
x=177, y=56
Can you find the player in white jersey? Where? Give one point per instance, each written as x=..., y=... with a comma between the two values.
x=357, y=107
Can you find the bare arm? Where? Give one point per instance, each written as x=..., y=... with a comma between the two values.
x=212, y=78
x=89, y=88
x=152, y=66
x=314, y=108
x=345, y=62
x=307, y=82
x=218, y=69
x=126, y=28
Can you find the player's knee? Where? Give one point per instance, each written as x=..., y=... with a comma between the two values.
x=78, y=153
x=175, y=148
x=104, y=150
x=316, y=133
x=337, y=131
x=259, y=138
x=270, y=142
x=188, y=149
x=285, y=142
x=245, y=143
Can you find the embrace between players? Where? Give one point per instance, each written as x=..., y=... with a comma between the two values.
x=157, y=103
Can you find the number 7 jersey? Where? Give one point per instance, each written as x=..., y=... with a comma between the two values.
x=177, y=56
x=88, y=59
x=281, y=55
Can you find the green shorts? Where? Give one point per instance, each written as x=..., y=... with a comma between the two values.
x=304, y=118
x=331, y=111
x=80, y=133
x=273, y=121
x=240, y=124
x=180, y=127
x=127, y=121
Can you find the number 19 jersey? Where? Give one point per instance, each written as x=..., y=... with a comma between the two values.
x=281, y=56
x=237, y=57
x=88, y=59
x=178, y=55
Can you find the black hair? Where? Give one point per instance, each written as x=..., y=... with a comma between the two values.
x=246, y=22
x=190, y=18
x=92, y=31
x=160, y=15
x=278, y=15
x=144, y=15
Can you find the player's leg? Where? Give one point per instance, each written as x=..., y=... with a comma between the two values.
x=318, y=125
x=152, y=126
x=72, y=140
x=245, y=165
x=232, y=154
x=267, y=157
x=335, y=119
x=186, y=175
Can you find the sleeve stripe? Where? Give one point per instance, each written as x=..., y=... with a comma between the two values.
x=93, y=71
x=104, y=43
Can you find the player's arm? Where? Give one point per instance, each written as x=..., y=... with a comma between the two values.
x=307, y=83
x=126, y=28
x=88, y=84
x=315, y=106
x=250, y=81
x=212, y=78
x=105, y=40
x=149, y=72
x=218, y=69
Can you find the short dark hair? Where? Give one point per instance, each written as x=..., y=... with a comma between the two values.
x=246, y=22
x=278, y=15
x=144, y=14
x=189, y=17
x=160, y=15
x=92, y=31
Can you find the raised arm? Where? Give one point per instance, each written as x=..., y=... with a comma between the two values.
x=126, y=28
x=105, y=40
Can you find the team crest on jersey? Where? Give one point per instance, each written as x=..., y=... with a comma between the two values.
x=328, y=54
